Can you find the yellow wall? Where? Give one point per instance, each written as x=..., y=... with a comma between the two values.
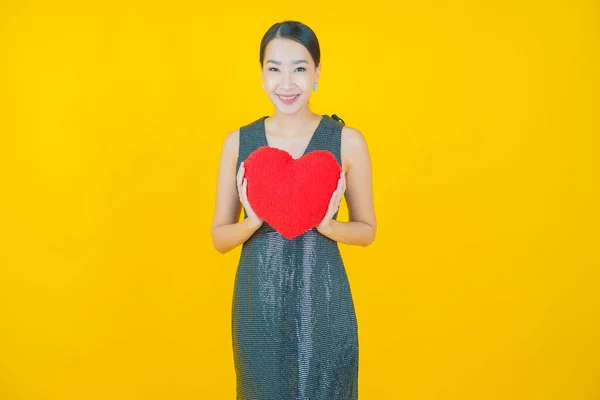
x=483, y=280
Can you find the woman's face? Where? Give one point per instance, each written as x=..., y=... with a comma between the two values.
x=288, y=71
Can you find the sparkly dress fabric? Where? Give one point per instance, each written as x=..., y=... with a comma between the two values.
x=294, y=328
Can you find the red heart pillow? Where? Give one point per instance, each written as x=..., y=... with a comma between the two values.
x=291, y=195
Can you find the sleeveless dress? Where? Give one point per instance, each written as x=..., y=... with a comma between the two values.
x=294, y=328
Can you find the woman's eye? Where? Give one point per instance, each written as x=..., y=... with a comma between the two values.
x=273, y=69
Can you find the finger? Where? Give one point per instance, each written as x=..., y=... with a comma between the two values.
x=245, y=197
x=242, y=187
x=328, y=214
x=340, y=195
x=239, y=177
x=332, y=201
x=249, y=209
x=336, y=203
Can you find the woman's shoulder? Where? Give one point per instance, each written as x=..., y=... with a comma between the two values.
x=231, y=142
x=349, y=133
x=352, y=136
x=231, y=137
x=354, y=144
x=234, y=135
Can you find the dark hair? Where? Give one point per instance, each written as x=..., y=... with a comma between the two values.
x=296, y=31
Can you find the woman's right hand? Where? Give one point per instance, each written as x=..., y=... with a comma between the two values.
x=242, y=186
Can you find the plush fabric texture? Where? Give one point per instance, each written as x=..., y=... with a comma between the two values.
x=291, y=195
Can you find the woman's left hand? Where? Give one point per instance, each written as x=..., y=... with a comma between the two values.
x=334, y=203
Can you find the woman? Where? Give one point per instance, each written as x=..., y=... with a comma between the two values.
x=294, y=328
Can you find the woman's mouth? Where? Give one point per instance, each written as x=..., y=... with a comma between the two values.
x=288, y=99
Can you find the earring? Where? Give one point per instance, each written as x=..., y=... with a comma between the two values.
x=263, y=85
x=315, y=86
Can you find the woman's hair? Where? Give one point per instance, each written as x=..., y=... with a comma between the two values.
x=296, y=31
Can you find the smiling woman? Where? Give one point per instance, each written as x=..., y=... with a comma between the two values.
x=294, y=327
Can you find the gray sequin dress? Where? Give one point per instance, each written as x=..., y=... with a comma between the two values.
x=293, y=323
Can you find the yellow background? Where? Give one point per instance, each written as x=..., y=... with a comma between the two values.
x=483, y=280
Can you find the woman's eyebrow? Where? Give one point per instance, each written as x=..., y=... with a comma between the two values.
x=293, y=62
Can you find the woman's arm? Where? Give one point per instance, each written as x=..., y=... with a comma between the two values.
x=227, y=231
x=356, y=184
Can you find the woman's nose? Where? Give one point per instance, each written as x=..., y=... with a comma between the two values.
x=287, y=81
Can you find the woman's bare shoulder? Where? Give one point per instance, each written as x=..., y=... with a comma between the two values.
x=232, y=138
x=352, y=136
x=353, y=141
x=230, y=144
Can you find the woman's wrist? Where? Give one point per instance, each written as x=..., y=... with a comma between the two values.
x=325, y=228
x=348, y=232
x=253, y=223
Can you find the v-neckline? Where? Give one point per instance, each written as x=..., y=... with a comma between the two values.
x=310, y=142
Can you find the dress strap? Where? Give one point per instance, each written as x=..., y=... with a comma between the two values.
x=338, y=119
x=330, y=137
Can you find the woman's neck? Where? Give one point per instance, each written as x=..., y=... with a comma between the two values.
x=291, y=124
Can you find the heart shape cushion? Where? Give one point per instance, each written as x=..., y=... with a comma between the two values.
x=291, y=195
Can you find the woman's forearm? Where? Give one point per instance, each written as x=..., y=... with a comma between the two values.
x=228, y=237
x=351, y=232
